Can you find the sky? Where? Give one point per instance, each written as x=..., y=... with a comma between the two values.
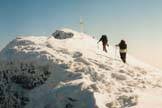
x=139, y=22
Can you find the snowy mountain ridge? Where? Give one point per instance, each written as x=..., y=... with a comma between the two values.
x=73, y=73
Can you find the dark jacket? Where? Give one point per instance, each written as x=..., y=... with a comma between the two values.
x=103, y=39
x=123, y=46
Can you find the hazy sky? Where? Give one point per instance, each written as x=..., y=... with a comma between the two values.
x=137, y=21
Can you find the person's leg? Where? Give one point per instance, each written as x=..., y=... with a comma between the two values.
x=123, y=57
x=104, y=47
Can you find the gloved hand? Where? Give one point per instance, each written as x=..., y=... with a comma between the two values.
x=117, y=45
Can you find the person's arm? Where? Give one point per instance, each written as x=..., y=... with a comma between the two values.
x=100, y=40
x=117, y=45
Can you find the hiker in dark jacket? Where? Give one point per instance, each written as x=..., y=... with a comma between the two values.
x=123, y=50
x=104, y=42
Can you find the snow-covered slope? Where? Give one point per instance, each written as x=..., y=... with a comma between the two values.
x=71, y=73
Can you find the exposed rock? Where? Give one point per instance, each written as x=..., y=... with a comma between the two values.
x=123, y=101
x=62, y=35
x=77, y=54
x=127, y=101
x=118, y=76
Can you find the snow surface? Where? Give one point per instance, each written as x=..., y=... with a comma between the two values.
x=149, y=98
x=82, y=75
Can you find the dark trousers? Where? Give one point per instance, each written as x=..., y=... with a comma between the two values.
x=123, y=57
x=104, y=47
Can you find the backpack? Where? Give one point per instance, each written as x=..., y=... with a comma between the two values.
x=123, y=45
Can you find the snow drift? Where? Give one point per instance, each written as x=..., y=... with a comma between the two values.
x=72, y=72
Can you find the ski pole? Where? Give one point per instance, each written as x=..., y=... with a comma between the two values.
x=115, y=52
x=97, y=46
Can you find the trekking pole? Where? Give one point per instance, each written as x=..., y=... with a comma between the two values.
x=97, y=46
x=115, y=52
